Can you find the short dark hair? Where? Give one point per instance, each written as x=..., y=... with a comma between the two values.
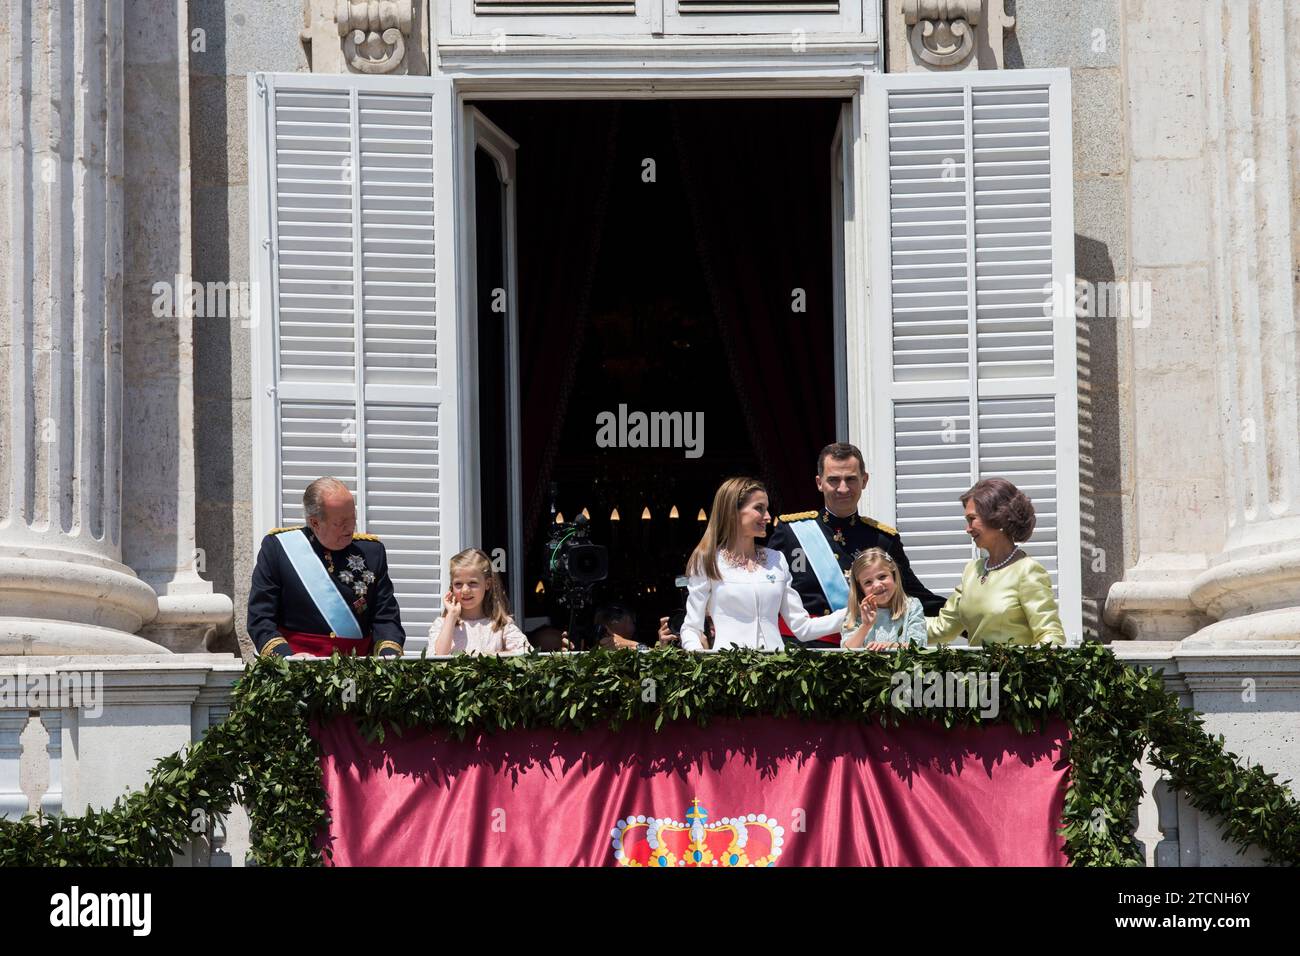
x=840, y=451
x=1003, y=506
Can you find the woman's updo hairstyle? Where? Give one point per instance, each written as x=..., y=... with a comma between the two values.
x=1003, y=506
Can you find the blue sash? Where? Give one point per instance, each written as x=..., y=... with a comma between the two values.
x=822, y=560
x=320, y=585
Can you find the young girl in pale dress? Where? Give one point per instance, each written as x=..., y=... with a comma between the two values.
x=476, y=615
x=880, y=615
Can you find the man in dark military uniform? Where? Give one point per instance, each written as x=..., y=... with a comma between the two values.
x=324, y=587
x=841, y=478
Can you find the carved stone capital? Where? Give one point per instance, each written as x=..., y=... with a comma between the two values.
x=939, y=35
x=367, y=36
x=365, y=48
x=942, y=32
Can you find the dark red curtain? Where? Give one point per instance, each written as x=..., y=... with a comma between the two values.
x=561, y=229
x=764, y=172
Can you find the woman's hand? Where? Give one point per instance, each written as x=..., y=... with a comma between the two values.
x=451, y=607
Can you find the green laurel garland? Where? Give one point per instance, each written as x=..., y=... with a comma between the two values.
x=263, y=756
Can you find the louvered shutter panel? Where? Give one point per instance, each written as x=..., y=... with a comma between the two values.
x=355, y=360
x=971, y=228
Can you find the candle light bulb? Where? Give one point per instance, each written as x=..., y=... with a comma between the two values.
x=586, y=514
x=559, y=517
x=701, y=516
x=613, y=515
x=645, y=514
x=673, y=513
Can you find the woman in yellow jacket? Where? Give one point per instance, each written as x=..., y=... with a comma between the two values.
x=1005, y=596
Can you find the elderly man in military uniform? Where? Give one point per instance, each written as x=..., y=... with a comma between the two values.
x=324, y=588
x=820, y=545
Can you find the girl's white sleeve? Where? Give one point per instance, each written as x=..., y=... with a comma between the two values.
x=516, y=640
x=699, y=592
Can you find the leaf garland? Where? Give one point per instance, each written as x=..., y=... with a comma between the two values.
x=264, y=757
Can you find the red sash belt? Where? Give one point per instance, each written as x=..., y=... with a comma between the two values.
x=323, y=645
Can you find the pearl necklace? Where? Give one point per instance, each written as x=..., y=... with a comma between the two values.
x=1001, y=564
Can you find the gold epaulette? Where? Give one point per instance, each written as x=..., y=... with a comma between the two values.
x=365, y=537
x=880, y=526
x=296, y=527
x=798, y=516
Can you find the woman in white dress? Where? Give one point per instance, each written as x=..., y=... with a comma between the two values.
x=744, y=587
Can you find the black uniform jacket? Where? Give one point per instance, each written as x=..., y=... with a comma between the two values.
x=278, y=601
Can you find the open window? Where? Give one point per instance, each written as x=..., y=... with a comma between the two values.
x=354, y=371
x=972, y=366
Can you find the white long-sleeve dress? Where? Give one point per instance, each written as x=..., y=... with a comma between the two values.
x=745, y=606
x=478, y=636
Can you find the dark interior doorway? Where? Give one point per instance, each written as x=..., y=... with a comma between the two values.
x=673, y=256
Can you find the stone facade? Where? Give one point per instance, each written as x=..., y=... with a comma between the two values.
x=125, y=513
x=1164, y=107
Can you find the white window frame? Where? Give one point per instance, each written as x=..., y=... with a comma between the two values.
x=464, y=21
x=847, y=20
x=737, y=75
x=659, y=18
x=477, y=131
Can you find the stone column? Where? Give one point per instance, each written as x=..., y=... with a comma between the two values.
x=63, y=586
x=1173, y=472
x=1252, y=588
x=1214, y=93
x=160, y=307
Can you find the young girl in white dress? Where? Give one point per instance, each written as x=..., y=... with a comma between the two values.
x=475, y=612
x=880, y=615
x=742, y=586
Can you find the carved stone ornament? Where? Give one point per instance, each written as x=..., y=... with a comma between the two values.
x=374, y=33
x=942, y=32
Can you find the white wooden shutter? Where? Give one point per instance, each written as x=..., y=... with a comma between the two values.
x=354, y=360
x=971, y=225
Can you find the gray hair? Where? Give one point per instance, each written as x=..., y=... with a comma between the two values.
x=313, y=499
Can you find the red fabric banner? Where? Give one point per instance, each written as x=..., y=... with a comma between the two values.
x=757, y=791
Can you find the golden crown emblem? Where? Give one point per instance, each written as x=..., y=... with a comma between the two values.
x=753, y=839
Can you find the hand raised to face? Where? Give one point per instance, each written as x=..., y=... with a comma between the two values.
x=451, y=605
x=867, y=610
